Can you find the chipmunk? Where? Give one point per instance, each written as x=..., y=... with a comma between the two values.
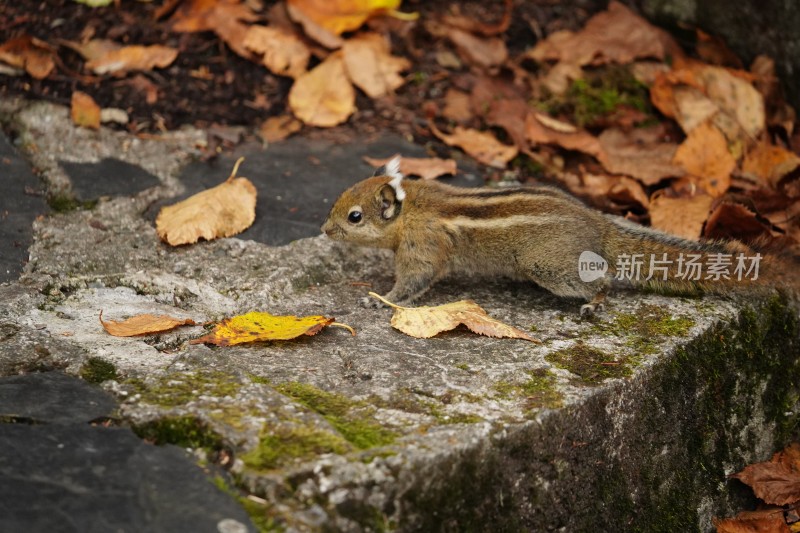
x=539, y=234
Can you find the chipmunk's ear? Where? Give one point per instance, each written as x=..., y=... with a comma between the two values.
x=390, y=203
x=392, y=170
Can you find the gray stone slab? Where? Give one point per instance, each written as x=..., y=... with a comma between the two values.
x=52, y=397
x=107, y=177
x=91, y=479
x=21, y=201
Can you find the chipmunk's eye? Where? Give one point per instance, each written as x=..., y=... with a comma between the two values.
x=354, y=217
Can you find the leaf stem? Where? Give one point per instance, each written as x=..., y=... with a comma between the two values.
x=387, y=302
x=235, y=169
x=344, y=326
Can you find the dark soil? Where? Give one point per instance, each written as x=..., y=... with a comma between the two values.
x=209, y=84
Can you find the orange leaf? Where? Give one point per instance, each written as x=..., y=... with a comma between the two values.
x=339, y=16
x=223, y=17
x=562, y=134
x=766, y=524
x=119, y=60
x=278, y=128
x=323, y=96
x=639, y=153
x=29, y=53
x=371, y=66
x=143, y=325
x=704, y=155
x=680, y=216
x=481, y=145
x=260, y=326
x=84, y=111
x=426, y=168
x=425, y=322
x=769, y=163
x=222, y=211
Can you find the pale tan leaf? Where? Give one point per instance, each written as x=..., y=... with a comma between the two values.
x=579, y=140
x=84, y=111
x=426, y=322
x=426, y=168
x=222, y=211
x=639, y=153
x=555, y=124
x=282, y=52
x=324, y=95
x=371, y=66
x=683, y=217
x=481, y=145
x=484, y=52
x=457, y=106
x=143, y=325
x=704, y=155
x=133, y=57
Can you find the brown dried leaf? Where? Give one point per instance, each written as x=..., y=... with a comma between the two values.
x=683, y=216
x=283, y=53
x=639, y=153
x=261, y=326
x=425, y=322
x=613, y=192
x=769, y=163
x=772, y=524
x=84, y=111
x=427, y=168
x=279, y=128
x=222, y=211
x=457, y=106
x=472, y=25
x=223, y=17
x=36, y=57
x=559, y=78
x=704, y=155
x=775, y=483
x=579, y=140
x=143, y=325
x=735, y=221
x=131, y=58
x=484, y=52
x=506, y=113
x=371, y=65
x=323, y=96
x=481, y=145
x=617, y=35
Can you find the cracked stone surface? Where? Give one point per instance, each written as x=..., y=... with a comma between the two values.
x=636, y=417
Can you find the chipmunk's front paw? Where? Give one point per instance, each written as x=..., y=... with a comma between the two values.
x=369, y=302
x=590, y=309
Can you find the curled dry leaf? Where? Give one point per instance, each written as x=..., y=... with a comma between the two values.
x=506, y=113
x=279, y=128
x=735, y=221
x=639, y=153
x=483, y=146
x=426, y=168
x=704, y=155
x=143, y=325
x=616, y=35
x=34, y=56
x=683, y=217
x=426, y=322
x=775, y=483
x=323, y=96
x=283, y=53
x=745, y=524
x=371, y=66
x=222, y=211
x=579, y=140
x=484, y=52
x=84, y=111
x=261, y=326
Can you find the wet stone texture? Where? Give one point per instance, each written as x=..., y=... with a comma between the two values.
x=632, y=420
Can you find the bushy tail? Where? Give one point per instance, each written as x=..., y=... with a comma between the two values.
x=648, y=258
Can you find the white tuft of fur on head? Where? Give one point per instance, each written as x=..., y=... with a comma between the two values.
x=393, y=171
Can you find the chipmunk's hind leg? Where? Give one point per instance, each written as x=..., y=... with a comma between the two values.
x=598, y=303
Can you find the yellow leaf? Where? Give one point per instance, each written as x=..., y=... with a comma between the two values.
x=371, y=66
x=85, y=111
x=339, y=16
x=143, y=325
x=323, y=96
x=425, y=322
x=260, y=326
x=225, y=210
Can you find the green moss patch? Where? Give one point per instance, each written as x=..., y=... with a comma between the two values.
x=184, y=431
x=97, y=370
x=278, y=447
x=591, y=365
x=64, y=203
x=350, y=418
x=258, y=512
x=646, y=326
x=178, y=389
x=539, y=390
